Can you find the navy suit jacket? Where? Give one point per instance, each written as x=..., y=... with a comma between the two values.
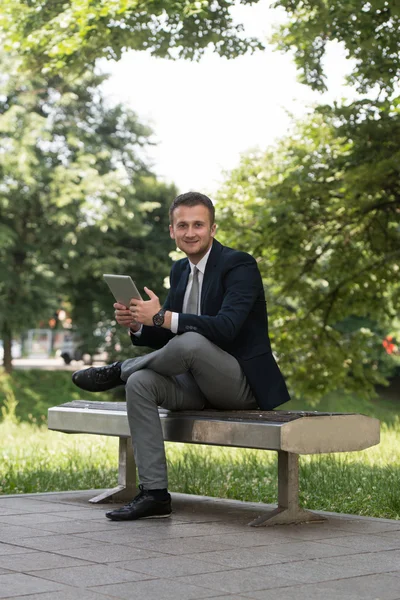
x=233, y=316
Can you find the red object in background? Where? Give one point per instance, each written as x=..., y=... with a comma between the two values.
x=388, y=344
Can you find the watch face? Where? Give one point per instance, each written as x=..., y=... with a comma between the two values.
x=158, y=318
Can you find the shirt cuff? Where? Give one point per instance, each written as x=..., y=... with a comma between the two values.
x=137, y=333
x=174, y=322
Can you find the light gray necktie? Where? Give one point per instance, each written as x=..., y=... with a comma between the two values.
x=193, y=299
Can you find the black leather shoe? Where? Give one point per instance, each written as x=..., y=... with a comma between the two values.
x=99, y=379
x=143, y=506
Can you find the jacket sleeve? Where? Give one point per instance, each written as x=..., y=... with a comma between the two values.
x=242, y=289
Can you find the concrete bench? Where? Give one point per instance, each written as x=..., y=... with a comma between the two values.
x=288, y=433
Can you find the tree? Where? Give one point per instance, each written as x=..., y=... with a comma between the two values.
x=321, y=213
x=322, y=210
x=71, y=35
x=76, y=196
x=368, y=29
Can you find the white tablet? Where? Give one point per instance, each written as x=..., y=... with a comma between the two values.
x=122, y=288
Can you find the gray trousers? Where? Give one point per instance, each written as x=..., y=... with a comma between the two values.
x=188, y=373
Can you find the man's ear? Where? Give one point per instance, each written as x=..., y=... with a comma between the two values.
x=171, y=232
x=213, y=229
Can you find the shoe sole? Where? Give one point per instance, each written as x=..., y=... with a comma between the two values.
x=140, y=518
x=157, y=516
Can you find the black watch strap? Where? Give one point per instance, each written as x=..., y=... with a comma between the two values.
x=158, y=318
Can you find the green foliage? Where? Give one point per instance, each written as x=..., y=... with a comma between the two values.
x=321, y=213
x=71, y=35
x=36, y=460
x=76, y=200
x=26, y=394
x=367, y=29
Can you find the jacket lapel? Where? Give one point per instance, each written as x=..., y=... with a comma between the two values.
x=210, y=271
x=181, y=287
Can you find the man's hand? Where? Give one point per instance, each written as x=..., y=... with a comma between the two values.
x=143, y=311
x=124, y=317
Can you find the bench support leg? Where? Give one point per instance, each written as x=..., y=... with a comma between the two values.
x=126, y=489
x=288, y=510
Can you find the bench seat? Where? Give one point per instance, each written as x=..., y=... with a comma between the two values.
x=290, y=433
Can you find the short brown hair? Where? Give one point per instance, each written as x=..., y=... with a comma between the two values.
x=193, y=199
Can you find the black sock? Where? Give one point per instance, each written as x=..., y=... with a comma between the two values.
x=160, y=494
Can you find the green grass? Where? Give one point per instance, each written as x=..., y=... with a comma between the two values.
x=36, y=390
x=33, y=459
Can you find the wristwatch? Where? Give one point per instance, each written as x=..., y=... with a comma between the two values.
x=158, y=318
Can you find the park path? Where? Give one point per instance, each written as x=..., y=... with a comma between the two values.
x=58, y=547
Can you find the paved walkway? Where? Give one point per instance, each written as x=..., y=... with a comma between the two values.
x=59, y=547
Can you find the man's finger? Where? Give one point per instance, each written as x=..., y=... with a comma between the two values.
x=119, y=306
x=150, y=294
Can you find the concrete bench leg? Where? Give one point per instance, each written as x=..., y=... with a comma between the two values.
x=126, y=489
x=288, y=510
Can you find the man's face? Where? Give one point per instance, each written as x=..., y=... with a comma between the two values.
x=192, y=230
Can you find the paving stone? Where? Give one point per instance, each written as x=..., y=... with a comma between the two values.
x=119, y=535
x=232, y=597
x=182, y=546
x=390, y=535
x=34, y=561
x=366, y=543
x=108, y=553
x=300, y=550
x=250, y=537
x=83, y=513
x=315, y=531
x=9, y=533
x=7, y=549
x=29, y=505
x=70, y=594
x=368, y=563
x=240, y=581
x=92, y=575
x=240, y=558
x=155, y=589
x=319, y=570
x=180, y=530
x=75, y=526
x=31, y=520
x=131, y=531
x=70, y=497
x=307, y=571
x=9, y=511
x=18, y=584
x=55, y=542
x=171, y=566
x=369, y=587
x=365, y=526
x=316, y=591
x=205, y=550
x=310, y=571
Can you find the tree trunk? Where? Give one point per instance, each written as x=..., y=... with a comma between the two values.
x=7, y=359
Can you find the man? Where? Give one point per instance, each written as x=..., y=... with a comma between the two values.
x=212, y=348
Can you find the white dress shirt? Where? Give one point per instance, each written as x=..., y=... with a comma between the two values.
x=201, y=265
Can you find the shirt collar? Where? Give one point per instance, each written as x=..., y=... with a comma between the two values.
x=201, y=265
